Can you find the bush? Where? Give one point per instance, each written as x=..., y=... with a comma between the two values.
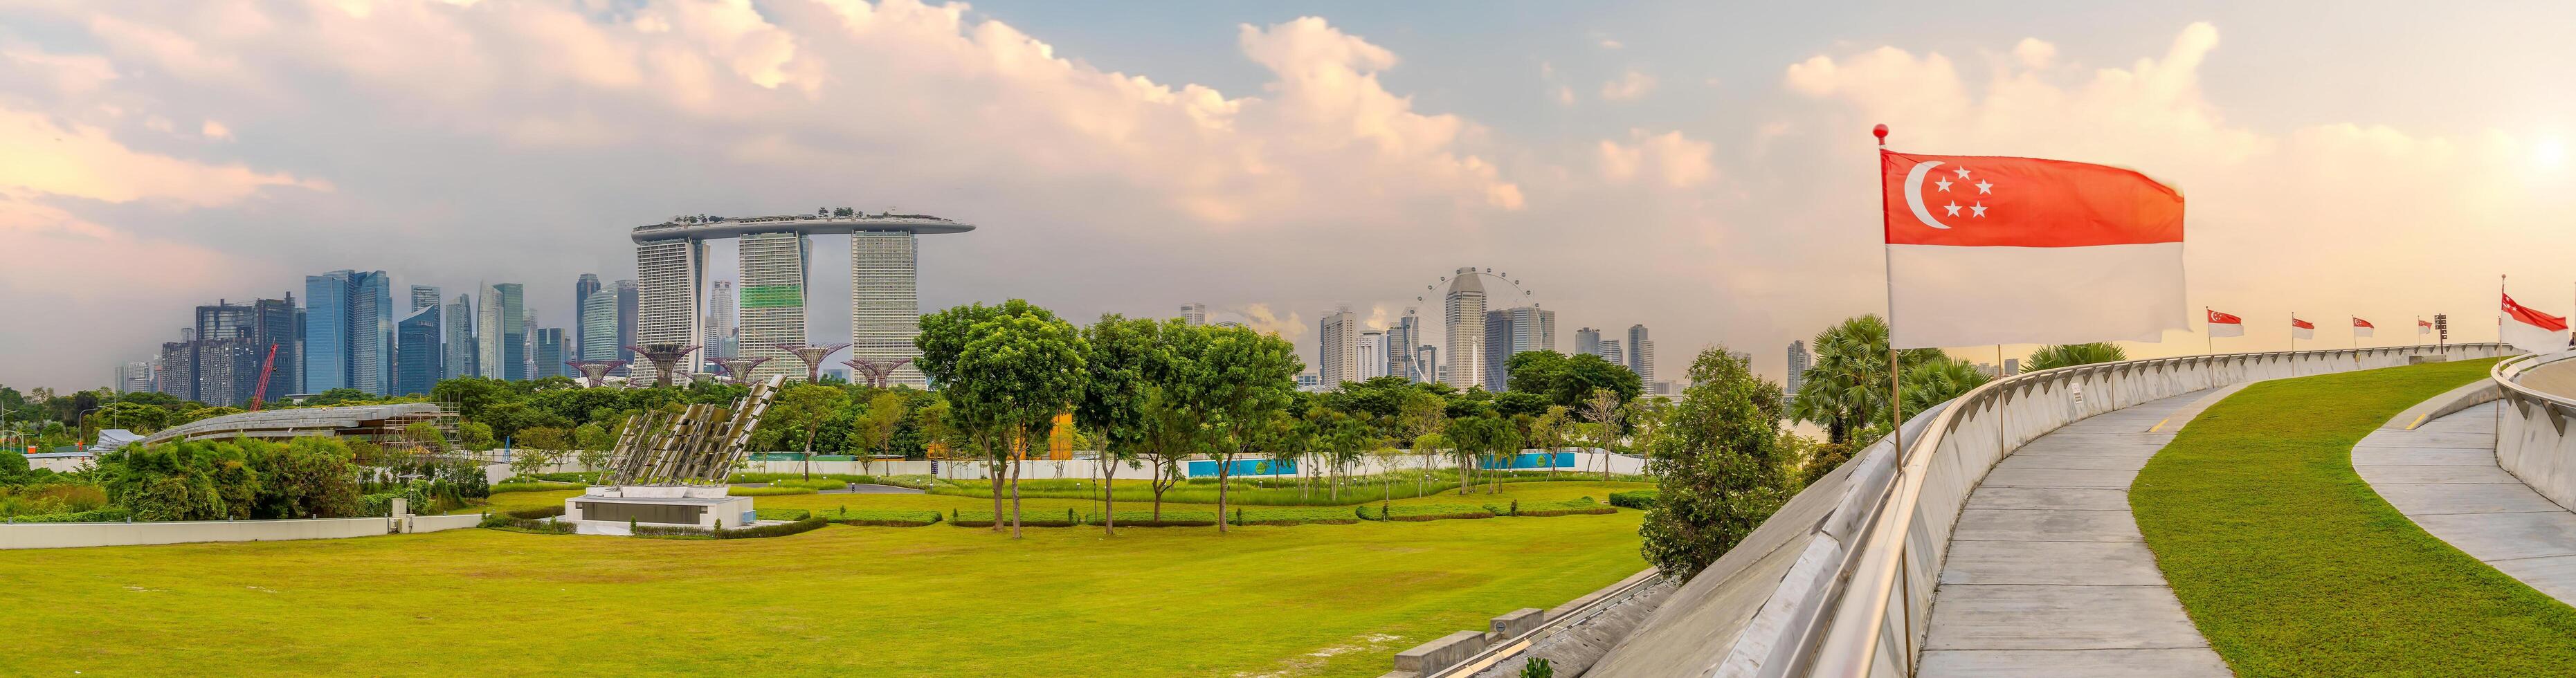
x=882, y=517
x=580, y=477
x=780, y=478
x=547, y=511
x=815, y=484
x=786, y=514
x=525, y=485
x=1575, y=506
x=754, y=532
x=766, y=491
x=110, y=514
x=1427, y=512
x=1635, y=499
x=1027, y=519
x=509, y=524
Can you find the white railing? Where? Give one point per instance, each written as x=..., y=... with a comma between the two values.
x=2532, y=437
x=1870, y=620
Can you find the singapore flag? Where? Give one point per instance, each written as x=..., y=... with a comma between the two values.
x=1996, y=250
x=2362, y=328
x=2225, y=325
x=2301, y=329
x=2531, y=330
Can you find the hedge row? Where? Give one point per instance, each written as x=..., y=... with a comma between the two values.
x=882, y=517
x=754, y=532
x=533, y=486
x=1569, y=507
x=106, y=514
x=1425, y=512
x=1635, y=499
x=766, y=491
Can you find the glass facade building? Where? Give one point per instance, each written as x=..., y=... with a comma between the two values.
x=419, y=358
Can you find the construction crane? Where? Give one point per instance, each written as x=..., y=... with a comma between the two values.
x=266, y=367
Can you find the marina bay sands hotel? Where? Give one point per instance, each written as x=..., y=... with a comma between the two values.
x=774, y=253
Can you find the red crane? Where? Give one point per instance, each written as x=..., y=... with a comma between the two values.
x=266, y=367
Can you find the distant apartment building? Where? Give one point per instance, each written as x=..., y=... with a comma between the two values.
x=1799, y=360
x=134, y=377
x=1513, y=331
x=1371, y=360
x=1194, y=314
x=1337, y=358
x=1641, y=354
x=256, y=331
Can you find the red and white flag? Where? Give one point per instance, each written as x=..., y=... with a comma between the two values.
x=2362, y=328
x=1995, y=250
x=2531, y=330
x=2423, y=327
x=2301, y=329
x=2225, y=325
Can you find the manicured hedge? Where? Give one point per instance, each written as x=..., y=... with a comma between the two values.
x=1425, y=512
x=546, y=511
x=1541, y=509
x=1635, y=499
x=882, y=517
x=766, y=491
x=1036, y=518
x=533, y=486
x=106, y=514
x=754, y=532
x=787, y=514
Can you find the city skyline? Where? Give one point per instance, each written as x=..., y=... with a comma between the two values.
x=1724, y=183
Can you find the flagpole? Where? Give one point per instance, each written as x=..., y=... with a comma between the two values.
x=2208, y=334
x=1895, y=400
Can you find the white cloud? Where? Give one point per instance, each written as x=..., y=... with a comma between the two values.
x=1629, y=86
x=215, y=130
x=1670, y=159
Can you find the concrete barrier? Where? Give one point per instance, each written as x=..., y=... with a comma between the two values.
x=2536, y=430
x=73, y=535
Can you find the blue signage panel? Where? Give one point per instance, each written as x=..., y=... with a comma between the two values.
x=1244, y=467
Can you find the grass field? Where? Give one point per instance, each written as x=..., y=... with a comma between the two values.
x=1309, y=600
x=2292, y=566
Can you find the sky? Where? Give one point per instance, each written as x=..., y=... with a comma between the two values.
x=1700, y=168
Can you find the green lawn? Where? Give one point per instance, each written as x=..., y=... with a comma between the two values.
x=1322, y=600
x=2292, y=566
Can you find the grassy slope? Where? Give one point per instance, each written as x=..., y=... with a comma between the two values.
x=848, y=600
x=2293, y=566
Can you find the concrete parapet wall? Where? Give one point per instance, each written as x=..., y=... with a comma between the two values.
x=2536, y=428
x=71, y=535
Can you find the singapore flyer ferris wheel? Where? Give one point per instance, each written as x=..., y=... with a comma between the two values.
x=1465, y=296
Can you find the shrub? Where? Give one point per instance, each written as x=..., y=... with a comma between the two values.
x=753, y=532
x=1575, y=506
x=785, y=514
x=520, y=485
x=1635, y=499
x=882, y=517
x=1027, y=519
x=110, y=514
x=766, y=491
x=815, y=484
x=1426, y=512
x=547, y=511
x=781, y=478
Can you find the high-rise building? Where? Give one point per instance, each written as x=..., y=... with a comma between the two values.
x=418, y=355
x=514, y=331
x=1194, y=314
x=2012, y=366
x=724, y=338
x=582, y=288
x=627, y=303
x=551, y=353
x=134, y=377
x=461, y=344
x=1426, y=364
x=258, y=329
x=1337, y=356
x=1799, y=359
x=178, y=378
x=349, y=331
x=1641, y=354
x=1400, y=342
x=371, y=333
x=424, y=296
x=599, y=326
x=487, y=333
x=326, y=331
x=885, y=306
x=1463, y=311
x=885, y=300
x=1512, y=331
x=1371, y=356
x=669, y=273
x=773, y=303
x=529, y=348
x=1587, y=341
x=1609, y=351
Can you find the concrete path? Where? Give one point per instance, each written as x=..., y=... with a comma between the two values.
x=2443, y=476
x=2047, y=573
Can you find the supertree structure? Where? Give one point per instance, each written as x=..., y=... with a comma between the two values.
x=595, y=372
x=813, y=357
x=738, y=370
x=665, y=359
x=877, y=373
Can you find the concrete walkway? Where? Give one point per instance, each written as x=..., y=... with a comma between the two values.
x=2047, y=573
x=2443, y=476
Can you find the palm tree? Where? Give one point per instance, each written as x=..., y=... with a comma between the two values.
x=2069, y=355
x=1845, y=390
x=1939, y=381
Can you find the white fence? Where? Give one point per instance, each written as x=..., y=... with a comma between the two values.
x=2532, y=437
x=71, y=535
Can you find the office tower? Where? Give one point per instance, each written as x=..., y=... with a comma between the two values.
x=528, y=347
x=582, y=288
x=1512, y=331
x=134, y=377
x=2012, y=366
x=1641, y=354
x=371, y=333
x=1799, y=359
x=885, y=307
x=1370, y=356
x=461, y=345
x=514, y=331
x=349, y=331
x=424, y=296
x=599, y=326
x=628, y=295
x=1426, y=363
x=487, y=333
x=1194, y=314
x=179, y=367
x=724, y=337
x=549, y=353
x=1337, y=359
x=418, y=354
x=1400, y=342
x=326, y=331
x=256, y=330
x=1587, y=341
x=1609, y=351
x=1463, y=311
x=773, y=304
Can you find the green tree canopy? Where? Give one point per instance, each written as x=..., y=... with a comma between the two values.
x=2070, y=355
x=1722, y=467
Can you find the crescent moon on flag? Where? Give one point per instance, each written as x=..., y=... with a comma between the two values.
x=1914, y=193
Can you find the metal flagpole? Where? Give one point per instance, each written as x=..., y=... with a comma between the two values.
x=2294, y=331
x=2208, y=338
x=1895, y=405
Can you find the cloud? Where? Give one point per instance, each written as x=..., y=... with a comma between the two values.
x=1669, y=158
x=1629, y=86
x=215, y=130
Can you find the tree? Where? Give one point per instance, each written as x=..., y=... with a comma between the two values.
x=1472, y=436
x=136, y=417
x=1423, y=415
x=1569, y=380
x=1603, y=411
x=1233, y=380
x=1549, y=431
x=1013, y=371
x=1846, y=390
x=872, y=428
x=1123, y=361
x=1929, y=384
x=2070, y=355
x=1721, y=472
x=477, y=435
x=539, y=447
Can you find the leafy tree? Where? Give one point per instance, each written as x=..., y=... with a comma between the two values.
x=339, y=396
x=2070, y=355
x=136, y=417
x=202, y=413
x=477, y=436
x=1569, y=380
x=1603, y=411
x=1012, y=370
x=1939, y=381
x=1721, y=471
x=1422, y=416
x=1234, y=381
x=594, y=441
x=1125, y=362
x=1474, y=436
x=1549, y=431
x=1846, y=390
x=872, y=429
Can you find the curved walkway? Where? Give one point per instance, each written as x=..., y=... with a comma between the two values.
x=2443, y=475
x=2047, y=573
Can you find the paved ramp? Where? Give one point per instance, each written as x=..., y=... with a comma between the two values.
x=2047, y=574
x=2443, y=475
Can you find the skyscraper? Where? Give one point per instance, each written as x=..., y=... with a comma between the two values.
x=1609, y=351
x=528, y=346
x=134, y=377
x=885, y=301
x=627, y=304
x=1463, y=310
x=1799, y=359
x=773, y=303
x=1587, y=341
x=885, y=306
x=723, y=339
x=487, y=333
x=550, y=355
x=326, y=330
x=371, y=333
x=230, y=344
x=1512, y=331
x=1337, y=352
x=582, y=288
x=1370, y=356
x=461, y=344
x=1400, y=342
x=1426, y=364
x=670, y=272
x=1641, y=354
x=1194, y=314
x=599, y=326
x=418, y=354
x=514, y=331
